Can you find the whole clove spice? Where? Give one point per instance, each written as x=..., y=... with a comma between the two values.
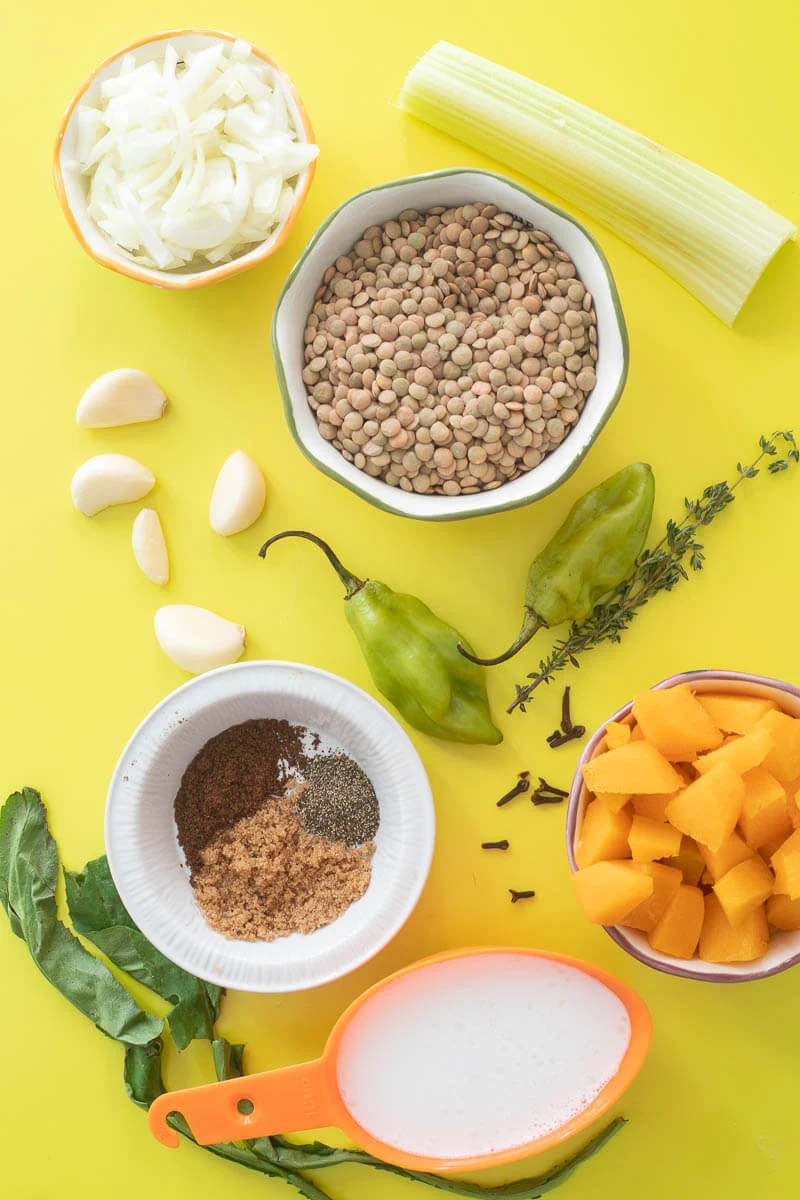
x=568, y=732
x=520, y=787
x=547, y=793
x=503, y=845
x=515, y=895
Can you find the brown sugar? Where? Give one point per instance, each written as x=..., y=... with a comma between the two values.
x=264, y=877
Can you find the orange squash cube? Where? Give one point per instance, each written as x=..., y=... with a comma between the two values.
x=655, y=806
x=618, y=733
x=744, y=888
x=742, y=753
x=666, y=881
x=613, y=800
x=794, y=806
x=709, y=808
x=733, y=712
x=675, y=723
x=650, y=839
x=783, y=913
x=635, y=768
x=688, y=861
x=786, y=865
x=765, y=810
x=636, y=733
x=678, y=930
x=603, y=834
x=734, y=850
x=783, y=761
x=721, y=942
x=608, y=891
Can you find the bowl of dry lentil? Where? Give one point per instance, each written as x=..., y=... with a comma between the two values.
x=269, y=826
x=449, y=345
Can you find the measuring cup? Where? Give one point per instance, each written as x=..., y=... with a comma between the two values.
x=310, y=1096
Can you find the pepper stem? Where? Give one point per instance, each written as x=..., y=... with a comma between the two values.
x=351, y=582
x=531, y=623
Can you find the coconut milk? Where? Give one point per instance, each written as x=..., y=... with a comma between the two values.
x=480, y=1054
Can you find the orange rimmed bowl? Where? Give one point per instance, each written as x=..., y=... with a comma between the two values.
x=72, y=192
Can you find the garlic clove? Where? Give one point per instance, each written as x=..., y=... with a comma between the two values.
x=198, y=640
x=109, y=479
x=239, y=495
x=121, y=397
x=149, y=547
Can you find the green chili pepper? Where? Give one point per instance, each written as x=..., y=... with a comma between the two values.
x=588, y=557
x=413, y=657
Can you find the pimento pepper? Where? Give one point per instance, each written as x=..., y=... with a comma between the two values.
x=590, y=555
x=413, y=656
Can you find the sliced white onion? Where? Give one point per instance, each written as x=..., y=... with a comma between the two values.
x=190, y=156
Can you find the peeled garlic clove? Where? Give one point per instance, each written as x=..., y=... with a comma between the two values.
x=239, y=495
x=198, y=640
x=120, y=397
x=109, y=479
x=149, y=547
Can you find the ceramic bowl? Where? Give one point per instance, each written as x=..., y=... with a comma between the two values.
x=147, y=862
x=72, y=193
x=784, y=948
x=336, y=236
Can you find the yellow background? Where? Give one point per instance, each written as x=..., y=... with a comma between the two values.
x=714, y=1110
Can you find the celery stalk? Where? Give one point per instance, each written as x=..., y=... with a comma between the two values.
x=709, y=235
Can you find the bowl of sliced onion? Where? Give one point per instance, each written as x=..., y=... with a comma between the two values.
x=184, y=158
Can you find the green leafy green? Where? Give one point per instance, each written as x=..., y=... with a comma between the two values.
x=28, y=878
x=98, y=914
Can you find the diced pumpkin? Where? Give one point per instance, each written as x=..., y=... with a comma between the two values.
x=707, y=879
x=782, y=912
x=618, y=733
x=613, y=800
x=709, y=808
x=636, y=768
x=654, y=807
x=608, y=891
x=786, y=865
x=636, y=733
x=770, y=848
x=732, y=712
x=744, y=888
x=783, y=761
x=603, y=834
x=794, y=805
x=688, y=861
x=721, y=942
x=765, y=810
x=675, y=722
x=734, y=850
x=666, y=881
x=678, y=930
x=650, y=839
x=742, y=753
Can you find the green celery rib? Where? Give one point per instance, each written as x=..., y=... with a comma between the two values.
x=705, y=232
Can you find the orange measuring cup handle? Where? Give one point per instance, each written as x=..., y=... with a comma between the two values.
x=283, y=1101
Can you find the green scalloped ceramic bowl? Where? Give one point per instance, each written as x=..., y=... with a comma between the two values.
x=336, y=235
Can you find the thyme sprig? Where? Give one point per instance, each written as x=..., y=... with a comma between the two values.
x=656, y=570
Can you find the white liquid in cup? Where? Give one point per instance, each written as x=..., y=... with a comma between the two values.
x=480, y=1054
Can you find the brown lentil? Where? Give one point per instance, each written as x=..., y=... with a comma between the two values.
x=478, y=323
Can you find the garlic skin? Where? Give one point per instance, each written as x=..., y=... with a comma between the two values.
x=122, y=397
x=198, y=640
x=109, y=479
x=239, y=495
x=149, y=546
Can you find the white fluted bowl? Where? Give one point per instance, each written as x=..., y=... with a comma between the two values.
x=148, y=864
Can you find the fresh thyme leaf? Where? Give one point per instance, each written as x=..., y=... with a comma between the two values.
x=656, y=570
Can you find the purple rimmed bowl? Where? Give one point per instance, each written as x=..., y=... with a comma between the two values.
x=784, y=948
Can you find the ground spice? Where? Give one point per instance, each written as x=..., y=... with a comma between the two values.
x=234, y=775
x=339, y=802
x=266, y=877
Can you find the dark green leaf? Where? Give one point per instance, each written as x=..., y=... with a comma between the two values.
x=228, y=1058
x=98, y=913
x=142, y=1073
x=28, y=877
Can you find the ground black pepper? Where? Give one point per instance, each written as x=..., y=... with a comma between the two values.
x=340, y=802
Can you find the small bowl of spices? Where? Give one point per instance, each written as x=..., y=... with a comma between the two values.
x=449, y=345
x=269, y=826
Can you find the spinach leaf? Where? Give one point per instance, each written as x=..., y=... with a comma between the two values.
x=227, y=1058
x=98, y=913
x=142, y=1073
x=28, y=878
